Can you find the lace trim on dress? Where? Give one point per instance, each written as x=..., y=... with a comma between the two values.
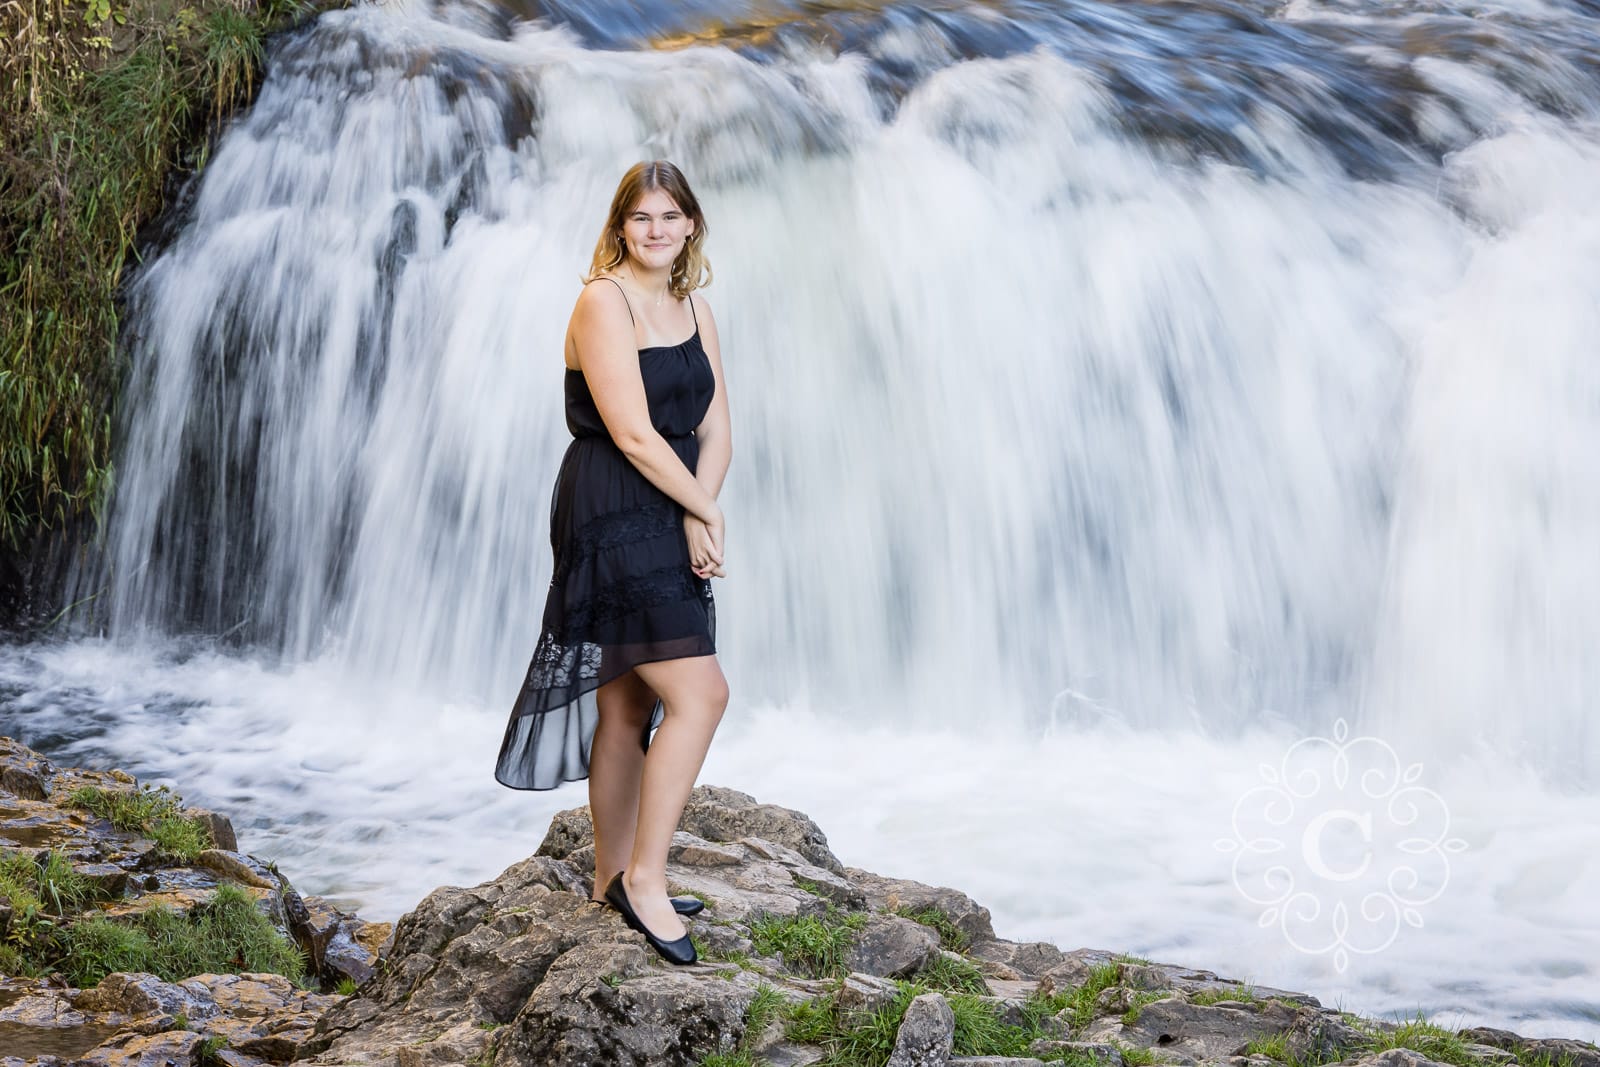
x=616, y=528
x=554, y=663
x=663, y=585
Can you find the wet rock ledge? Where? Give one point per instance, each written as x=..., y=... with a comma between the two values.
x=803, y=961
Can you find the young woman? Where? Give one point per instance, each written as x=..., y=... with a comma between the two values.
x=628, y=642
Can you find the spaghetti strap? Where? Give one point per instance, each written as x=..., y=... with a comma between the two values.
x=624, y=293
x=690, y=298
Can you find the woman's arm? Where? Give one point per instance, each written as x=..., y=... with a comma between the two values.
x=714, y=432
x=609, y=359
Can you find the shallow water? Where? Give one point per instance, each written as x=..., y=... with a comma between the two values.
x=1105, y=838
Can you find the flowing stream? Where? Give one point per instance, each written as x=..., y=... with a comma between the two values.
x=1121, y=394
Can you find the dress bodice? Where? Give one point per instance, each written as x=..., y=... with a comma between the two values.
x=678, y=386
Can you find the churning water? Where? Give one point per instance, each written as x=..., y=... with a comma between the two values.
x=1121, y=393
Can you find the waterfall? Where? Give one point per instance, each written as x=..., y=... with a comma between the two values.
x=1246, y=375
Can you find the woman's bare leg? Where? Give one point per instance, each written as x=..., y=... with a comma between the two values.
x=615, y=764
x=694, y=694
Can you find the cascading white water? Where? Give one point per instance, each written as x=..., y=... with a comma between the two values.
x=1040, y=423
x=1030, y=419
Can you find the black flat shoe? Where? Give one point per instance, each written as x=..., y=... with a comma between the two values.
x=681, y=905
x=680, y=951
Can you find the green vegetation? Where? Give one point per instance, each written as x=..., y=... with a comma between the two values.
x=1139, y=1000
x=953, y=974
x=764, y=1007
x=1419, y=1035
x=1245, y=994
x=41, y=893
x=1080, y=1000
x=814, y=945
x=100, y=102
x=346, y=987
x=207, y=1052
x=48, y=933
x=864, y=1039
x=730, y=1059
x=154, y=812
x=228, y=933
x=951, y=936
x=1275, y=1046
x=1545, y=1059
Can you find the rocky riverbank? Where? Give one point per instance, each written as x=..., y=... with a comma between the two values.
x=803, y=961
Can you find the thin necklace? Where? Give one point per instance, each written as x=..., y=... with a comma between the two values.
x=642, y=289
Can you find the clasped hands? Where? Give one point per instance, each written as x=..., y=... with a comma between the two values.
x=705, y=545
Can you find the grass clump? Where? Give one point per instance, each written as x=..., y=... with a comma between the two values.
x=729, y=1059
x=865, y=1039
x=227, y=934
x=1245, y=994
x=1134, y=1056
x=815, y=945
x=951, y=936
x=950, y=973
x=1546, y=1059
x=1080, y=1000
x=764, y=1007
x=43, y=894
x=48, y=883
x=981, y=1032
x=155, y=812
x=1140, y=999
x=1419, y=1035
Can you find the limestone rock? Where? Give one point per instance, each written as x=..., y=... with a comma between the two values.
x=892, y=947
x=718, y=814
x=219, y=826
x=1108, y=1055
x=866, y=993
x=1029, y=959
x=237, y=867
x=1195, y=1031
x=176, y=1048
x=926, y=1034
x=1401, y=1057
x=966, y=914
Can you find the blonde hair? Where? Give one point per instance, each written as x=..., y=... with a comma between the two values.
x=691, y=270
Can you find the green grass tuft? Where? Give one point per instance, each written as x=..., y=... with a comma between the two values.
x=736, y=1058
x=1140, y=999
x=156, y=812
x=953, y=974
x=951, y=936
x=1134, y=1056
x=227, y=934
x=817, y=946
x=1419, y=1035
x=763, y=1008
x=1245, y=994
x=981, y=1032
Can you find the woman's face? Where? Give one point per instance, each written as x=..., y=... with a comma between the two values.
x=656, y=230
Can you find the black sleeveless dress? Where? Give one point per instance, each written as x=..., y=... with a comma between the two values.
x=623, y=591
